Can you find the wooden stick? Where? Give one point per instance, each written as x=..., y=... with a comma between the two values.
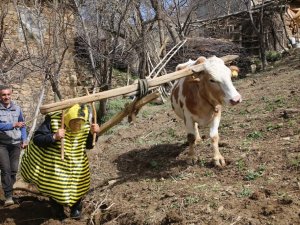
x=94, y=117
x=155, y=82
x=62, y=141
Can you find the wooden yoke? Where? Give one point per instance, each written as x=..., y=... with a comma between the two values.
x=155, y=82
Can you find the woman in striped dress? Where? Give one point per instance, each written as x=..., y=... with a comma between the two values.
x=64, y=181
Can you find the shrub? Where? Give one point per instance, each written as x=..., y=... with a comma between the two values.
x=273, y=56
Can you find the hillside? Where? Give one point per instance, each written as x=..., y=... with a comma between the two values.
x=140, y=176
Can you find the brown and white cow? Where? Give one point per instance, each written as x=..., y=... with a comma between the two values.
x=198, y=100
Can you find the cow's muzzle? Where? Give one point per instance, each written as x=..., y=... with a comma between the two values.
x=237, y=99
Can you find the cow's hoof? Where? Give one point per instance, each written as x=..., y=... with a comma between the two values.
x=198, y=141
x=219, y=162
x=192, y=161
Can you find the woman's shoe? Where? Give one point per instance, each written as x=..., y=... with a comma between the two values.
x=76, y=210
x=75, y=214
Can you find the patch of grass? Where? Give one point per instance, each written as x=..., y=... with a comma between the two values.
x=146, y=113
x=243, y=112
x=245, y=192
x=116, y=128
x=269, y=108
x=175, y=206
x=225, y=124
x=254, y=174
x=141, y=141
x=171, y=132
x=213, y=205
x=251, y=175
x=120, y=78
x=240, y=164
x=115, y=106
x=243, y=125
x=208, y=173
x=271, y=126
x=256, y=110
x=245, y=146
x=280, y=102
x=271, y=105
x=284, y=198
x=273, y=56
x=190, y=200
x=295, y=163
x=154, y=109
x=201, y=187
x=247, y=103
x=181, y=176
x=202, y=162
x=255, y=135
x=216, y=187
x=292, y=123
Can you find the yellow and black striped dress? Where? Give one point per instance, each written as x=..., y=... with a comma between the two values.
x=64, y=181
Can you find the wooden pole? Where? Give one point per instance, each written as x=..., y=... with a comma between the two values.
x=94, y=117
x=155, y=82
x=62, y=141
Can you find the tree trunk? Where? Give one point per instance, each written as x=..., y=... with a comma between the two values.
x=160, y=29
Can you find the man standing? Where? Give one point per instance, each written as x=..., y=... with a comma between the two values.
x=12, y=139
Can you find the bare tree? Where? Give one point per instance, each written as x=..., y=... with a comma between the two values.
x=98, y=29
x=45, y=43
x=47, y=49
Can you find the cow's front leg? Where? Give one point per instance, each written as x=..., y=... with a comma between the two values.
x=197, y=135
x=192, y=158
x=214, y=135
x=191, y=138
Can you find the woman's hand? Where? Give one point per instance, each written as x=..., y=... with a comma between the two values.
x=59, y=134
x=95, y=128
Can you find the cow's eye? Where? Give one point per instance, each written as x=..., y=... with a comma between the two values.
x=213, y=81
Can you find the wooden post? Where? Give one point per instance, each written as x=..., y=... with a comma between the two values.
x=94, y=117
x=62, y=141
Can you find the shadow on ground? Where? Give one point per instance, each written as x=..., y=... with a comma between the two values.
x=29, y=210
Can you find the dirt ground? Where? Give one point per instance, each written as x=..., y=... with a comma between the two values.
x=140, y=174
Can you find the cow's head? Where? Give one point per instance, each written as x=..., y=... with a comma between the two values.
x=216, y=76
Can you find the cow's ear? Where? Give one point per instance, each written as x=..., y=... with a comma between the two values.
x=234, y=71
x=180, y=67
x=200, y=60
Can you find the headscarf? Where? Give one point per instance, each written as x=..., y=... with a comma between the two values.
x=78, y=111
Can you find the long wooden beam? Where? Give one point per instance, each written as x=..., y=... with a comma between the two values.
x=127, y=89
